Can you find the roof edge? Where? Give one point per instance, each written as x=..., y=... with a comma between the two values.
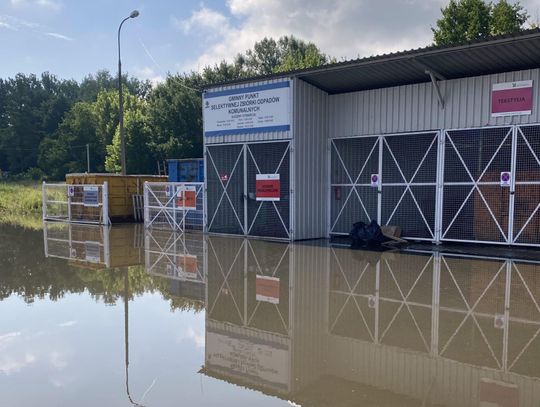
x=383, y=58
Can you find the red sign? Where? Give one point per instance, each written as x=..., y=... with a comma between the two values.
x=512, y=98
x=187, y=264
x=187, y=197
x=267, y=289
x=267, y=187
x=494, y=393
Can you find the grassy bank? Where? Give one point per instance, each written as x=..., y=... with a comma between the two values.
x=20, y=204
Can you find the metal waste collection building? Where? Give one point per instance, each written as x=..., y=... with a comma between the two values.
x=441, y=141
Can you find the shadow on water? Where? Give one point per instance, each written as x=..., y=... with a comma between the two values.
x=309, y=324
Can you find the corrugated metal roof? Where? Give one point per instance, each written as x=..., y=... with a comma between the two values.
x=481, y=57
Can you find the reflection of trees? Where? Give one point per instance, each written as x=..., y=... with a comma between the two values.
x=25, y=272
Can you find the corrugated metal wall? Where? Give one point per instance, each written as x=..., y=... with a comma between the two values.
x=309, y=310
x=417, y=375
x=415, y=107
x=242, y=138
x=310, y=161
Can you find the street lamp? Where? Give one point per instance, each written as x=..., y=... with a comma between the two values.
x=133, y=14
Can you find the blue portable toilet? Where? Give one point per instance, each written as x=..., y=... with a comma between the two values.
x=186, y=170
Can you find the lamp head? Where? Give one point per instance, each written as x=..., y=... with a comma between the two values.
x=134, y=13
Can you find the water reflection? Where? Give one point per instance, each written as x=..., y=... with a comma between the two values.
x=304, y=323
x=94, y=246
x=433, y=328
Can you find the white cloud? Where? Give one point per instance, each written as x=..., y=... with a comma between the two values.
x=150, y=74
x=18, y=24
x=49, y=4
x=10, y=365
x=197, y=338
x=58, y=360
x=204, y=20
x=45, y=4
x=7, y=338
x=59, y=36
x=66, y=324
x=345, y=29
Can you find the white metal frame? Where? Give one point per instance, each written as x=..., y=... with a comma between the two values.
x=378, y=148
x=474, y=183
x=167, y=250
x=225, y=186
x=155, y=206
x=443, y=139
x=69, y=242
x=67, y=200
x=503, y=269
x=378, y=332
x=516, y=234
x=243, y=156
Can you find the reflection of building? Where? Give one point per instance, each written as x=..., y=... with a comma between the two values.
x=94, y=246
x=341, y=326
x=179, y=258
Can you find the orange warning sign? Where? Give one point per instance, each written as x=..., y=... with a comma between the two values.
x=186, y=197
x=187, y=264
x=267, y=289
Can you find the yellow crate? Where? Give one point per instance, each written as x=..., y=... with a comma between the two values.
x=121, y=189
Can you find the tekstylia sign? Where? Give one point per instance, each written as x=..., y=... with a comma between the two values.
x=512, y=98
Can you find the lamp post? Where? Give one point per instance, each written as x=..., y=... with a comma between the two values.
x=133, y=14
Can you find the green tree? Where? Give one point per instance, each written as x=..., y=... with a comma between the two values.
x=102, y=80
x=137, y=133
x=24, y=129
x=468, y=20
x=507, y=18
x=175, y=118
x=287, y=53
x=139, y=159
x=65, y=152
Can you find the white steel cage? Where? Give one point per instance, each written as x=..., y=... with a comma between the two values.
x=232, y=204
x=76, y=203
x=478, y=185
x=174, y=205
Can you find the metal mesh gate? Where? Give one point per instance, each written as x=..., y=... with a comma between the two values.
x=476, y=205
x=409, y=183
x=225, y=188
x=526, y=216
x=76, y=203
x=391, y=179
x=174, y=205
x=234, y=205
x=268, y=218
x=353, y=198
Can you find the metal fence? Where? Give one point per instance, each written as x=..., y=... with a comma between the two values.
x=235, y=200
x=76, y=203
x=478, y=311
x=462, y=185
x=391, y=179
x=175, y=255
x=83, y=244
x=174, y=205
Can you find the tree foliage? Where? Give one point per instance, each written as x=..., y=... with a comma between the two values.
x=468, y=20
x=46, y=123
x=287, y=53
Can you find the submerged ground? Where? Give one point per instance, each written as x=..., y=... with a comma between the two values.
x=120, y=316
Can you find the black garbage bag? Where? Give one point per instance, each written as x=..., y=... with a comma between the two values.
x=363, y=235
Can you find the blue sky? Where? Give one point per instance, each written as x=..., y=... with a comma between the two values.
x=72, y=38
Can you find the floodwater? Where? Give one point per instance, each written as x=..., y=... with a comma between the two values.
x=93, y=316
